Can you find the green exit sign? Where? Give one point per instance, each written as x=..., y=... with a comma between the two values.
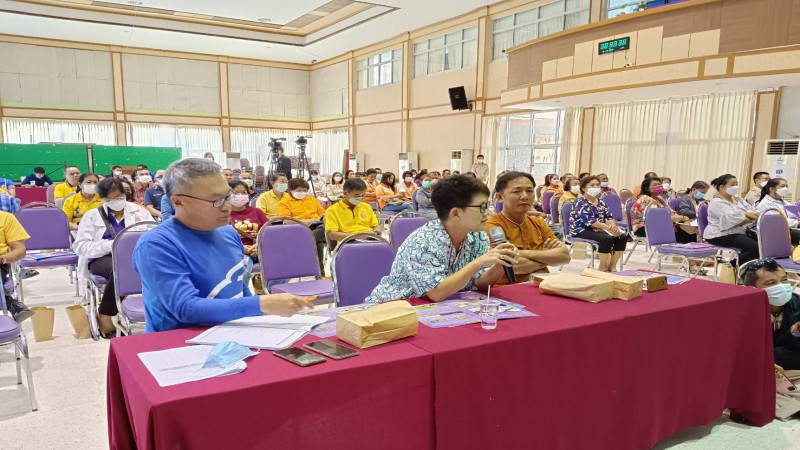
x=616, y=45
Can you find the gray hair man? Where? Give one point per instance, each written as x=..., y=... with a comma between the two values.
x=193, y=266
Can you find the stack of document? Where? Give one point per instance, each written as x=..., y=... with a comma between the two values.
x=264, y=332
x=185, y=364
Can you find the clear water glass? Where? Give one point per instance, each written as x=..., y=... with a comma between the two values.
x=489, y=311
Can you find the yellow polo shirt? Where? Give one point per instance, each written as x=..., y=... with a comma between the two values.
x=308, y=208
x=63, y=189
x=361, y=219
x=79, y=206
x=10, y=231
x=268, y=202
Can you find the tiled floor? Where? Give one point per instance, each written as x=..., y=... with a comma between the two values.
x=69, y=376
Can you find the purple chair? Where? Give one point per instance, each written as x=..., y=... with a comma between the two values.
x=636, y=239
x=11, y=334
x=48, y=228
x=614, y=205
x=554, y=209
x=661, y=237
x=358, y=266
x=546, y=201
x=702, y=223
x=127, y=282
x=774, y=240
x=566, y=223
x=673, y=203
x=414, y=204
x=402, y=226
x=287, y=251
x=498, y=207
x=793, y=211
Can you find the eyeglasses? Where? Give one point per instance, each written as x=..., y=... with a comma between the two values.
x=483, y=207
x=215, y=203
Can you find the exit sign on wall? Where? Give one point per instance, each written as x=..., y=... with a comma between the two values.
x=615, y=45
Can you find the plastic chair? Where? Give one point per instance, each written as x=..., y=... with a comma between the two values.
x=286, y=250
x=554, y=215
x=661, y=237
x=402, y=226
x=614, y=205
x=244, y=162
x=546, y=201
x=127, y=282
x=566, y=222
x=702, y=223
x=357, y=267
x=775, y=241
x=414, y=204
x=636, y=239
x=11, y=334
x=50, y=193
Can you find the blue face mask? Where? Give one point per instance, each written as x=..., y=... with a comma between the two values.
x=699, y=196
x=779, y=294
x=379, y=176
x=226, y=353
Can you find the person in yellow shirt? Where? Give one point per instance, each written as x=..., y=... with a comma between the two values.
x=299, y=205
x=537, y=244
x=350, y=215
x=268, y=201
x=83, y=201
x=12, y=249
x=572, y=190
x=70, y=185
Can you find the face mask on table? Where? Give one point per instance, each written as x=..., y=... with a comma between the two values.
x=225, y=354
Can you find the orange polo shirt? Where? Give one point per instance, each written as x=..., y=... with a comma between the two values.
x=528, y=236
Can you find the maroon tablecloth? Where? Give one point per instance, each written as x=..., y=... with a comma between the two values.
x=614, y=375
x=382, y=398
x=28, y=194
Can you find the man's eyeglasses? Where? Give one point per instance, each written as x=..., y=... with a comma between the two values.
x=483, y=207
x=215, y=203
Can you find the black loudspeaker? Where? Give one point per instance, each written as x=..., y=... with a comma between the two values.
x=458, y=98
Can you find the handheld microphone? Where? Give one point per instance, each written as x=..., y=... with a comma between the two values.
x=497, y=237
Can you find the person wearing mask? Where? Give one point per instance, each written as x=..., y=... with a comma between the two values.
x=153, y=195
x=69, y=186
x=481, y=169
x=38, y=178
x=651, y=190
x=553, y=186
x=129, y=188
x=604, y=184
x=335, y=189
x=446, y=174
x=450, y=254
x=572, y=190
x=350, y=215
x=583, y=174
x=209, y=156
x=538, y=246
x=389, y=198
x=85, y=200
x=247, y=179
x=228, y=174
x=306, y=208
x=245, y=219
x=372, y=181
x=116, y=172
x=93, y=244
x=729, y=215
x=637, y=191
x=380, y=172
x=695, y=195
x=318, y=183
x=760, y=179
x=407, y=186
x=349, y=175
x=591, y=219
x=669, y=191
x=12, y=249
x=418, y=177
x=268, y=201
x=784, y=307
x=283, y=164
x=191, y=266
x=413, y=173
x=772, y=197
x=143, y=182
x=423, y=195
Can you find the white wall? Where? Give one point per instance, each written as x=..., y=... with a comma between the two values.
x=329, y=92
x=789, y=114
x=269, y=92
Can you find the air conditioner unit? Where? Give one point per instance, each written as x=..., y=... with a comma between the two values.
x=408, y=161
x=782, y=161
x=461, y=160
x=356, y=163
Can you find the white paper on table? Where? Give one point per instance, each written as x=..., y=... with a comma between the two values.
x=299, y=322
x=260, y=337
x=185, y=364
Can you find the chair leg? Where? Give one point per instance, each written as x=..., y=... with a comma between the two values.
x=635, y=243
x=17, y=361
x=591, y=256
x=22, y=343
x=91, y=312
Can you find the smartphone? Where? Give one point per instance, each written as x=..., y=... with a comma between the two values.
x=299, y=356
x=331, y=349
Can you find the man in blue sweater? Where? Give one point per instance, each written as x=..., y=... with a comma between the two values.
x=192, y=265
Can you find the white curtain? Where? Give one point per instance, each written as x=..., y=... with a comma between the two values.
x=687, y=139
x=570, y=140
x=33, y=131
x=327, y=148
x=193, y=141
x=324, y=147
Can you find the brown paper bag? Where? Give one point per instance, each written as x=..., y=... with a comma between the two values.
x=384, y=323
x=578, y=287
x=625, y=288
x=42, y=321
x=79, y=321
x=726, y=274
x=539, y=277
x=579, y=250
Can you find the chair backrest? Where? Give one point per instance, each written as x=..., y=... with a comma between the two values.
x=614, y=205
x=287, y=250
x=566, y=220
x=793, y=211
x=546, y=201
x=673, y=203
x=51, y=193
x=357, y=267
x=254, y=201
x=414, y=204
x=658, y=226
x=126, y=279
x=554, y=208
x=774, y=240
x=244, y=162
x=702, y=218
x=47, y=225
x=402, y=227
x=628, y=207
x=498, y=207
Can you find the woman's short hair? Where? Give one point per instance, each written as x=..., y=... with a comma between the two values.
x=105, y=186
x=699, y=184
x=586, y=180
x=456, y=192
x=234, y=183
x=86, y=175
x=297, y=183
x=646, y=185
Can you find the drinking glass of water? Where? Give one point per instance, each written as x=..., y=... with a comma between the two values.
x=489, y=310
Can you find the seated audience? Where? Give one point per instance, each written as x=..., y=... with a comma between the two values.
x=695, y=195
x=299, y=205
x=9, y=203
x=318, y=183
x=191, y=266
x=372, y=180
x=760, y=180
x=96, y=234
x=248, y=179
x=728, y=218
x=651, y=190
x=552, y=185
x=583, y=174
x=604, y=186
x=406, y=186
x=350, y=215
x=153, y=195
x=423, y=195
x=142, y=183
x=591, y=219
x=7, y=187
x=772, y=197
x=537, y=244
x=669, y=191
x=450, y=254
x=116, y=171
x=246, y=220
x=268, y=201
x=418, y=177
x=228, y=174
x=389, y=199
x=350, y=174
x=37, y=178
x=446, y=174
x=637, y=191
x=129, y=188
x=334, y=191
x=76, y=206
x=12, y=249
x=69, y=186
x=572, y=190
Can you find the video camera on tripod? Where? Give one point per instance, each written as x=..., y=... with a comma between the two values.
x=274, y=145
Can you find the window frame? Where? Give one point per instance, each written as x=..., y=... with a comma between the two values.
x=430, y=47
x=373, y=68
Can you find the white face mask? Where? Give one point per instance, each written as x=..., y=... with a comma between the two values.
x=783, y=191
x=762, y=184
x=604, y=184
x=89, y=188
x=665, y=186
x=299, y=195
x=356, y=200
x=116, y=205
x=732, y=190
x=337, y=179
x=315, y=177
x=594, y=191
x=409, y=179
x=144, y=179
x=117, y=173
x=480, y=161
x=575, y=189
x=555, y=182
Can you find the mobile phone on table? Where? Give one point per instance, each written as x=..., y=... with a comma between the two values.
x=331, y=349
x=299, y=356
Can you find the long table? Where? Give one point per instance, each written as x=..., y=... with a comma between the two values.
x=613, y=375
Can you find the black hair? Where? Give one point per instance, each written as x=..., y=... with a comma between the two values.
x=38, y=170
x=721, y=180
x=407, y=173
x=456, y=172
x=234, y=183
x=502, y=183
x=313, y=172
x=274, y=177
x=773, y=182
x=700, y=184
x=758, y=175
x=586, y=180
x=548, y=178
x=347, y=174
x=470, y=174
x=141, y=166
x=479, y=156
x=385, y=180
x=360, y=174
x=421, y=174
x=750, y=273
x=654, y=175
x=83, y=177
x=129, y=183
x=296, y=183
x=333, y=178
x=455, y=192
x=646, y=186
x=354, y=184
x=371, y=171
x=136, y=172
x=583, y=174
x=106, y=185
x=116, y=167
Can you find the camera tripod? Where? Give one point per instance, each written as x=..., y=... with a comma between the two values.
x=302, y=167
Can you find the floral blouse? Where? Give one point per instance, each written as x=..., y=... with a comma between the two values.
x=644, y=201
x=584, y=214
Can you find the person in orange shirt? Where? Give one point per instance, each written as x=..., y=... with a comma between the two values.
x=537, y=244
x=372, y=183
x=299, y=205
x=388, y=197
x=407, y=185
x=637, y=191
